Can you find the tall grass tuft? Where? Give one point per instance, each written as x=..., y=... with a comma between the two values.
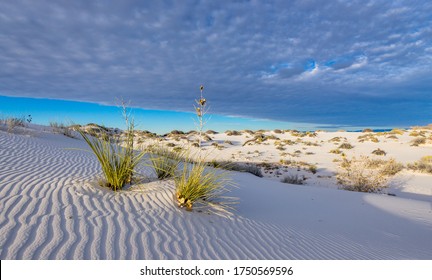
x=165, y=161
x=118, y=162
x=199, y=184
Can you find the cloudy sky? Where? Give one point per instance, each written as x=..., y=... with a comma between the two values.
x=325, y=62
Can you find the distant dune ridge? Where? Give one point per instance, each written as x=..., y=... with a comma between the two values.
x=52, y=207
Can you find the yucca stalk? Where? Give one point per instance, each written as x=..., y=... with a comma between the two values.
x=201, y=110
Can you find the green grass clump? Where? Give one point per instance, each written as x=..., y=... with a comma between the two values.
x=199, y=184
x=164, y=161
x=118, y=162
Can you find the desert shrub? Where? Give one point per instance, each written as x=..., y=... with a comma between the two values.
x=312, y=168
x=164, y=161
x=418, y=141
x=293, y=179
x=177, y=132
x=335, y=151
x=197, y=184
x=379, y=152
x=13, y=122
x=392, y=137
x=422, y=165
x=397, y=131
x=240, y=167
x=367, y=137
x=217, y=145
x=346, y=146
x=366, y=130
x=233, y=133
x=280, y=148
x=365, y=174
x=416, y=133
x=228, y=142
x=335, y=139
x=278, y=131
x=171, y=145
x=391, y=167
x=61, y=129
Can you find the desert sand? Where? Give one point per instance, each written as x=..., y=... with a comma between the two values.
x=52, y=207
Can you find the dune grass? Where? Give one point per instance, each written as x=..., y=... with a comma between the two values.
x=198, y=184
x=165, y=161
x=118, y=162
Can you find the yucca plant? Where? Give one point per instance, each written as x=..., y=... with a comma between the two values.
x=199, y=184
x=165, y=161
x=118, y=162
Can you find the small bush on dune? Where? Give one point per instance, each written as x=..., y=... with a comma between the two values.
x=13, y=122
x=240, y=167
x=357, y=175
x=422, y=165
x=365, y=174
x=61, y=129
x=233, y=133
x=335, y=151
x=312, y=168
x=379, y=152
x=418, y=141
x=346, y=146
x=293, y=179
x=196, y=185
x=397, y=131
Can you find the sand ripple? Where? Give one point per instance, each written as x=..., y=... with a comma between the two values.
x=50, y=210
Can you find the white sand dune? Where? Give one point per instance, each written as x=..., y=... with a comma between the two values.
x=49, y=210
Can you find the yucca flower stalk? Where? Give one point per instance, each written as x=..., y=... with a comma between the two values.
x=201, y=110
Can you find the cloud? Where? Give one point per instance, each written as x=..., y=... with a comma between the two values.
x=310, y=61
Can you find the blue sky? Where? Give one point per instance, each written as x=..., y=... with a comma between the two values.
x=343, y=63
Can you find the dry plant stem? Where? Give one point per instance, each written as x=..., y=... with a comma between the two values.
x=201, y=110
